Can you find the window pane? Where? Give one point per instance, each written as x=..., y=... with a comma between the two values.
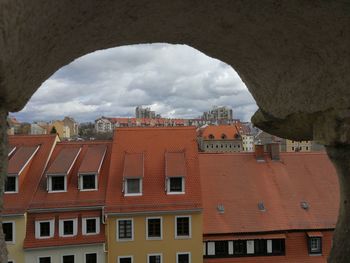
x=278, y=246
x=315, y=245
x=154, y=259
x=260, y=247
x=7, y=228
x=91, y=258
x=57, y=183
x=183, y=226
x=91, y=225
x=68, y=259
x=45, y=260
x=125, y=260
x=89, y=181
x=239, y=247
x=154, y=227
x=176, y=184
x=68, y=227
x=221, y=248
x=10, y=184
x=44, y=229
x=125, y=229
x=133, y=186
x=183, y=258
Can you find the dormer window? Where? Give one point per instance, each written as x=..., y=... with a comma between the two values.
x=211, y=136
x=133, y=174
x=175, y=172
x=88, y=182
x=223, y=136
x=133, y=186
x=176, y=185
x=11, y=184
x=57, y=183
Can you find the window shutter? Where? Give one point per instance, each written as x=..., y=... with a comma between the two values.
x=211, y=248
x=269, y=246
x=230, y=247
x=250, y=246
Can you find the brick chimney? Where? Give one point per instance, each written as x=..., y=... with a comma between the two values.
x=259, y=152
x=274, y=151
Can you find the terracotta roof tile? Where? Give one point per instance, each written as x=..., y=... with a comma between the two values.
x=63, y=161
x=21, y=158
x=93, y=159
x=74, y=197
x=153, y=143
x=239, y=183
x=17, y=203
x=229, y=131
x=175, y=164
x=133, y=165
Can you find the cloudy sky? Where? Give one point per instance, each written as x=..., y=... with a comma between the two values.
x=174, y=80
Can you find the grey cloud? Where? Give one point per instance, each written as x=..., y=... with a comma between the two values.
x=175, y=80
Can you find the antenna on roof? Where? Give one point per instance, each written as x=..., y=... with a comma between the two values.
x=261, y=206
x=304, y=205
x=221, y=208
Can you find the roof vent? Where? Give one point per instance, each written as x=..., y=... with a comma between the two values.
x=261, y=206
x=221, y=208
x=304, y=205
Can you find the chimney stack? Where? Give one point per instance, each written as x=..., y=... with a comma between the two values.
x=259, y=152
x=274, y=151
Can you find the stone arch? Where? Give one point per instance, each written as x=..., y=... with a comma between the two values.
x=292, y=55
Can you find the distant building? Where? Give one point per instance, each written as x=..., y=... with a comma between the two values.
x=36, y=129
x=248, y=143
x=221, y=138
x=62, y=130
x=14, y=125
x=103, y=125
x=298, y=146
x=222, y=113
x=72, y=125
x=141, y=112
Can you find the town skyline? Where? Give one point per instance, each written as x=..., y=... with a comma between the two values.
x=176, y=81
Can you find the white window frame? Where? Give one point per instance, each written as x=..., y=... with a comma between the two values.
x=155, y=254
x=132, y=230
x=189, y=229
x=37, y=229
x=161, y=229
x=93, y=252
x=121, y=257
x=61, y=227
x=16, y=190
x=44, y=257
x=74, y=255
x=84, y=225
x=126, y=187
x=50, y=183
x=176, y=193
x=81, y=182
x=183, y=253
x=13, y=241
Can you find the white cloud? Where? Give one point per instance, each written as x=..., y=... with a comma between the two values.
x=176, y=80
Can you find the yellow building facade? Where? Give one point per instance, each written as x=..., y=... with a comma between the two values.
x=298, y=146
x=15, y=246
x=167, y=248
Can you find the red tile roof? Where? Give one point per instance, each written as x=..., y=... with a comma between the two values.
x=133, y=165
x=74, y=197
x=17, y=203
x=239, y=183
x=154, y=143
x=175, y=164
x=64, y=160
x=93, y=159
x=21, y=158
x=230, y=131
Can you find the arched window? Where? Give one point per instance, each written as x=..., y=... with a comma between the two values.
x=223, y=136
x=211, y=136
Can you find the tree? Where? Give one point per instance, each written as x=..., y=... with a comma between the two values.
x=53, y=130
